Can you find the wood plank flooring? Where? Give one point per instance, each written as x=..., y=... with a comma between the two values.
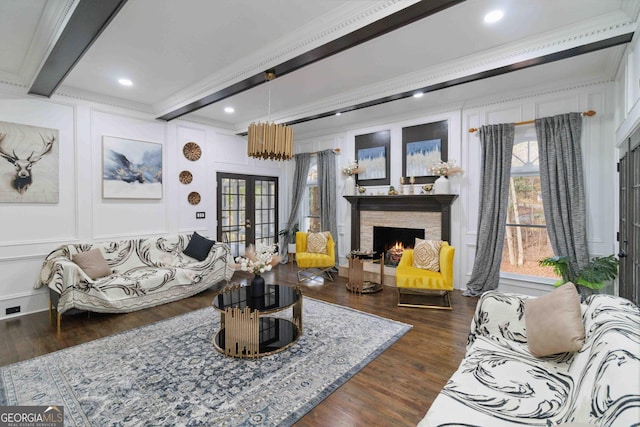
x=395, y=389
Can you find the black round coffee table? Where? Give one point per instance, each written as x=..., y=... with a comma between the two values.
x=246, y=327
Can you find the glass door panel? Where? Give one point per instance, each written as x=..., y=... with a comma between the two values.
x=247, y=210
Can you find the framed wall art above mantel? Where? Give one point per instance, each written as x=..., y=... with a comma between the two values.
x=422, y=146
x=373, y=155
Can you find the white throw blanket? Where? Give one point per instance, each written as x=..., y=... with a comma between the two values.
x=146, y=272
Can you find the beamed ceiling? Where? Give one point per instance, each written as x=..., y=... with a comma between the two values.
x=190, y=59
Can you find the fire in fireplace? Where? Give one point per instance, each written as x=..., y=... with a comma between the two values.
x=392, y=241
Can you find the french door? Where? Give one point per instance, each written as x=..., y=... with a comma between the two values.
x=629, y=237
x=247, y=210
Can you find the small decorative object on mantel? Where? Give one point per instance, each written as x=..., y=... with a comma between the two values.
x=443, y=170
x=361, y=189
x=426, y=189
x=350, y=170
x=412, y=181
x=192, y=151
x=194, y=198
x=392, y=191
x=185, y=177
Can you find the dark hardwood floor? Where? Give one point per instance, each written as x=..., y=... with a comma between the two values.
x=395, y=389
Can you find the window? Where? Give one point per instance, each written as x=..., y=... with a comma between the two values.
x=526, y=238
x=311, y=202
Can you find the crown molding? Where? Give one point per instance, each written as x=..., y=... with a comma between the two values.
x=605, y=27
x=348, y=19
x=54, y=18
x=428, y=112
x=74, y=94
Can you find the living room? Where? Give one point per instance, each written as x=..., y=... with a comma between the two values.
x=603, y=80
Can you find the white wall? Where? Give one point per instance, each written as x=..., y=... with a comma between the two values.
x=28, y=232
x=598, y=156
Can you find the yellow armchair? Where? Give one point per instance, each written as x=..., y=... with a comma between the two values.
x=412, y=281
x=311, y=264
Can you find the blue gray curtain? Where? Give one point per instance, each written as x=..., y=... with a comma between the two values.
x=562, y=183
x=497, y=149
x=303, y=161
x=327, y=190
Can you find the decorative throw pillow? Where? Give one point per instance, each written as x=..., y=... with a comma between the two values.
x=198, y=247
x=554, y=322
x=317, y=242
x=426, y=254
x=92, y=262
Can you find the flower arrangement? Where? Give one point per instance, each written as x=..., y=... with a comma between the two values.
x=352, y=168
x=258, y=259
x=445, y=168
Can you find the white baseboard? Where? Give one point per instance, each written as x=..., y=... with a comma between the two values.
x=29, y=303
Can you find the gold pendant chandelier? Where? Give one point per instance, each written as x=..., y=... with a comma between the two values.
x=269, y=140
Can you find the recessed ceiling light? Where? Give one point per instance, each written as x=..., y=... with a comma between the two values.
x=493, y=16
x=125, y=82
x=229, y=110
x=338, y=113
x=418, y=95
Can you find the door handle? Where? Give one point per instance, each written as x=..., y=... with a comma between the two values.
x=247, y=223
x=622, y=253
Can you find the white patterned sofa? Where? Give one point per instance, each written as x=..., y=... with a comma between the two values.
x=500, y=383
x=144, y=273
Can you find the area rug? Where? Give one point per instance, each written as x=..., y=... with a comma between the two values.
x=168, y=373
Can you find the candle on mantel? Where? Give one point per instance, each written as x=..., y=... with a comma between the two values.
x=402, y=180
x=412, y=180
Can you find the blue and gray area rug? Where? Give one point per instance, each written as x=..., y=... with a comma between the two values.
x=168, y=373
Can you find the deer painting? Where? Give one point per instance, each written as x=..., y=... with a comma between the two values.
x=23, y=178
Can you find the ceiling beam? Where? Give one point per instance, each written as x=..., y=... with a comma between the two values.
x=88, y=20
x=397, y=20
x=545, y=59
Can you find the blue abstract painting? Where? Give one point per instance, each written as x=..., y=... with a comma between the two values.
x=374, y=162
x=421, y=155
x=131, y=169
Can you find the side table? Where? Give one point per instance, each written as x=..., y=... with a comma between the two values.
x=357, y=284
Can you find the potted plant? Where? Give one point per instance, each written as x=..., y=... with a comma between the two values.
x=289, y=237
x=589, y=279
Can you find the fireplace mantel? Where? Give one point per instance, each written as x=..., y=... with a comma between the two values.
x=405, y=203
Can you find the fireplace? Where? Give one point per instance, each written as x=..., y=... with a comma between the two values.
x=391, y=241
x=432, y=212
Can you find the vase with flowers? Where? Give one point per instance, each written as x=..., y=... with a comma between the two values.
x=349, y=171
x=258, y=260
x=443, y=170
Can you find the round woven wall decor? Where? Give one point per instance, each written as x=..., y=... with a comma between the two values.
x=192, y=151
x=194, y=198
x=186, y=177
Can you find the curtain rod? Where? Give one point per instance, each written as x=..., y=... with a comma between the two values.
x=528, y=122
x=335, y=150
